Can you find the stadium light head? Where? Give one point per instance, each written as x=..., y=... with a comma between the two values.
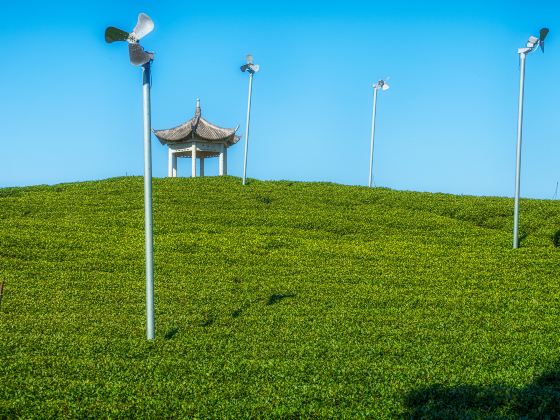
x=250, y=67
x=535, y=42
x=381, y=84
x=138, y=56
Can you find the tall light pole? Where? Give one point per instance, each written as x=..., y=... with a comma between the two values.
x=139, y=57
x=532, y=44
x=382, y=84
x=250, y=68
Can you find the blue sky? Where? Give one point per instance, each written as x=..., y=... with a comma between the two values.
x=71, y=105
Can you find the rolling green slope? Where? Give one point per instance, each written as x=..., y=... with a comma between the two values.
x=279, y=299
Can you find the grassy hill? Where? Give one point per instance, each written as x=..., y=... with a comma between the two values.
x=279, y=299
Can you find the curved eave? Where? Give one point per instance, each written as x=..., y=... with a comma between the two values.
x=175, y=134
x=203, y=130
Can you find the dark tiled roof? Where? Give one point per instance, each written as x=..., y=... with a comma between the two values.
x=197, y=128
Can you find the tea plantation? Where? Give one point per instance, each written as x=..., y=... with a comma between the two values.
x=278, y=299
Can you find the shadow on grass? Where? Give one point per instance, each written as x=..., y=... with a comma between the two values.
x=239, y=311
x=171, y=333
x=556, y=239
x=522, y=236
x=210, y=319
x=2, y=287
x=540, y=399
x=277, y=297
x=272, y=300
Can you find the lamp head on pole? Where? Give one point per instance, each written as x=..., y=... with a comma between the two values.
x=250, y=66
x=533, y=43
x=381, y=84
x=138, y=56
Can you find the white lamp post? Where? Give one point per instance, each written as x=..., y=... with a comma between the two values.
x=139, y=57
x=250, y=68
x=532, y=44
x=382, y=84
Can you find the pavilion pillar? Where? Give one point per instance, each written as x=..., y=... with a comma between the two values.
x=223, y=160
x=193, y=155
x=201, y=166
x=172, y=164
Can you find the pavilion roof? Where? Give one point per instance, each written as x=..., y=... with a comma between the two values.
x=197, y=128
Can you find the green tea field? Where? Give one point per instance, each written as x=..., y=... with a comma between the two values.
x=278, y=299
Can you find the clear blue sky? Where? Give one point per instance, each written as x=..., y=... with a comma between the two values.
x=71, y=105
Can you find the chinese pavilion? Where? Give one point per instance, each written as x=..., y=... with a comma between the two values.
x=197, y=139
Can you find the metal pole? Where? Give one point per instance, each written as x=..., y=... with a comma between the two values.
x=522, y=57
x=150, y=322
x=372, y=136
x=247, y=126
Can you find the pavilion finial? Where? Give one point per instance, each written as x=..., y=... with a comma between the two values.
x=198, y=107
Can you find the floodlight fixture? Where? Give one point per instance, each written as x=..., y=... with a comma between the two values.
x=533, y=40
x=139, y=57
x=532, y=44
x=144, y=26
x=384, y=86
x=251, y=68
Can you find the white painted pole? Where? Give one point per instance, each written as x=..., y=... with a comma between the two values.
x=221, y=161
x=247, y=126
x=522, y=57
x=193, y=155
x=372, y=135
x=150, y=320
x=169, y=163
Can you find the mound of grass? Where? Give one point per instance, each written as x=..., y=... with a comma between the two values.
x=278, y=299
